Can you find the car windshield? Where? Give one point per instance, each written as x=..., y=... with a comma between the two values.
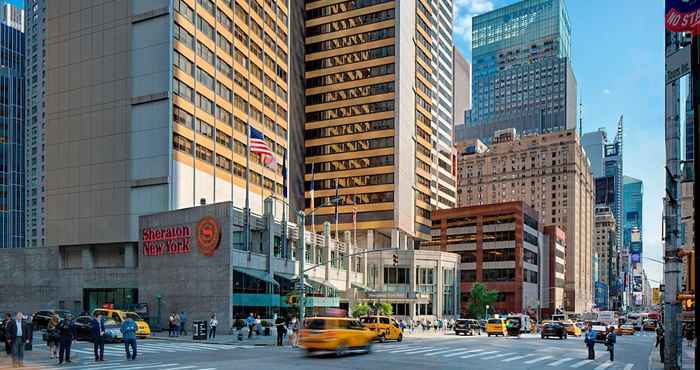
x=495, y=321
x=110, y=322
x=133, y=316
x=316, y=324
x=62, y=313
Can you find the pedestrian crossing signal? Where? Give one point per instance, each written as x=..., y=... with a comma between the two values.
x=395, y=258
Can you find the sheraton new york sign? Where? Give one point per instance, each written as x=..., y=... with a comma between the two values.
x=171, y=240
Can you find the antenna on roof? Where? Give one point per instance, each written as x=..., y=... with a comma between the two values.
x=580, y=116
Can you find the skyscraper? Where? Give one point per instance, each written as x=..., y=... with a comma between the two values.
x=370, y=65
x=523, y=76
x=462, y=95
x=150, y=109
x=11, y=128
x=633, y=225
x=35, y=122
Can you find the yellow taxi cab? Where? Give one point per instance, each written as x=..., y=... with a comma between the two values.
x=625, y=329
x=496, y=326
x=142, y=331
x=339, y=335
x=385, y=327
x=571, y=328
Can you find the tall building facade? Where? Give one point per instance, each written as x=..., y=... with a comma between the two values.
x=148, y=108
x=608, y=255
x=523, y=76
x=35, y=123
x=370, y=65
x=462, y=86
x=11, y=128
x=633, y=220
x=550, y=173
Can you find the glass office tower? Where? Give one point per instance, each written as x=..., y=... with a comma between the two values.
x=11, y=131
x=522, y=77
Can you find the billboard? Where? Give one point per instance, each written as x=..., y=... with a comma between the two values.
x=655, y=296
x=635, y=257
x=682, y=15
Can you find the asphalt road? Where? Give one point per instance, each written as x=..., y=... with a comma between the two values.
x=439, y=352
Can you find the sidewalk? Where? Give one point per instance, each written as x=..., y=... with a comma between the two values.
x=223, y=338
x=688, y=357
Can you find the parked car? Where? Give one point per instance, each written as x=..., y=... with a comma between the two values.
x=385, y=327
x=649, y=325
x=83, y=326
x=625, y=329
x=467, y=327
x=142, y=331
x=337, y=335
x=553, y=329
x=600, y=329
x=40, y=319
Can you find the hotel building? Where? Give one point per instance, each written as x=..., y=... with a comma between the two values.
x=550, y=173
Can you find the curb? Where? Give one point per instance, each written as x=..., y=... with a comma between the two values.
x=207, y=342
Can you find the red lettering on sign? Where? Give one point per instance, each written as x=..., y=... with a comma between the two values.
x=174, y=240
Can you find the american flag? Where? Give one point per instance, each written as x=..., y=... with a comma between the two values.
x=259, y=145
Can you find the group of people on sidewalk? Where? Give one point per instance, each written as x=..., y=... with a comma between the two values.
x=177, y=324
x=288, y=328
x=426, y=325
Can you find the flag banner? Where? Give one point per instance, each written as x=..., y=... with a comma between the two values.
x=259, y=145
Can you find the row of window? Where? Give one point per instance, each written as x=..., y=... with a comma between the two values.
x=347, y=76
x=351, y=40
x=351, y=22
x=351, y=146
x=352, y=181
x=351, y=128
x=351, y=93
x=350, y=58
x=350, y=111
x=350, y=164
x=342, y=7
x=353, y=199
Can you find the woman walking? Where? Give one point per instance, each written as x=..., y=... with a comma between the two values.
x=171, y=325
x=52, y=336
x=293, y=332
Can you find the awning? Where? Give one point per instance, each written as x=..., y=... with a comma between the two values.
x=258, y=274
x=362, y=287
x=325, y=283
x=291, y=277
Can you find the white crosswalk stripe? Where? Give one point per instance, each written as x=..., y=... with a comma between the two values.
x=478, y=354
x=443, y=351
x=579, y=364
x=516, y=358
x=422, y=351
x=559, y=362
x=404, y=350
x=538, y=359
x=628, y=367
x=604, y=365
x=500, y=355
x=462, y=352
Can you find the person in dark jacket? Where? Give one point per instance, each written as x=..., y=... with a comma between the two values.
x=97, y=332
x=610, y=339
x=66, y=332
x=3, y=336
x=18, y=333
x=128, y=330
x=281, y=330
x=660, y=342
x=590, y=342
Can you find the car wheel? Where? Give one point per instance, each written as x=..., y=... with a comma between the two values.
x=341, y=350
x=400, y=338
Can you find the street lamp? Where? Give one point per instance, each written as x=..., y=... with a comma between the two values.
x=487, y=311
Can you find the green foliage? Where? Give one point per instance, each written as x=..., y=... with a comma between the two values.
x=385, y=308
x=479, y=298
x=360, y=310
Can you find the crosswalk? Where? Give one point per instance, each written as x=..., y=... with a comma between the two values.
x=503, y=355
x=153, y=347
x=122, y=365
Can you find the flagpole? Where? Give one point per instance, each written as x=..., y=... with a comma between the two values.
x=247, y=189
x=313, y=200
x=337, y=201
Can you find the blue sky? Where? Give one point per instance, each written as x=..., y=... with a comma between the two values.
x=17, y=3
x=618, y=59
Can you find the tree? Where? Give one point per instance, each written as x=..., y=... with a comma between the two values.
x=385, y=308
x=360, y=310
x=479, y=298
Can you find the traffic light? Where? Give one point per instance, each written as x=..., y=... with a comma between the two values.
x=687, y=300
x=395, y=258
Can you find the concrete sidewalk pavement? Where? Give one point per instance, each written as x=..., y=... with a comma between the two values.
x=224, y=338
x=688, y=357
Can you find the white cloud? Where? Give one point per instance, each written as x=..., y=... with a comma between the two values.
x=464, y=10
x=606, y=91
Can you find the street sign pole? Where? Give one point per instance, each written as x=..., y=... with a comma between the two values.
x=302, y=259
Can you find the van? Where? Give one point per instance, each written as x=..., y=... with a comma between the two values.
x=496, y=327
x=385, y=327
x=142, y=328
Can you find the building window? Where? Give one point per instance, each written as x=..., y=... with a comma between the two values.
x=530, y=276
x=530, y=256
x=499, y=255
x=396, y=275
x=182, y=144
x=498, y=274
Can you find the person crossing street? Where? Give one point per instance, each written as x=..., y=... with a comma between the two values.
x=97, y=332
x=66, y=332
x=590, y=342
x=17, y=332
x=610, y=339
x=128, y=330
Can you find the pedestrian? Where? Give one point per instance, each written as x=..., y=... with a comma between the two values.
x=66, y=332
x=183, y=323
x=128, y=330
x=97, y=332
x=213, y=323
x=293, y=333
x=238, y=324
x=250, y=322
x=660, y=342
x=610, y=339
x=177, y=322
x=17, y=332
x=3, y=335
x=281, y=330
x=590, y=342
x=171, y=325
x=402, y=325
x=258, y=323
x=52, y=336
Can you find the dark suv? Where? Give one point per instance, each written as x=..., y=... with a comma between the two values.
x=40, y=319
x=553, y=329
x=467, y=327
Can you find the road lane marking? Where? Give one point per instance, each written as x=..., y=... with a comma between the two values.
x=405, y=350
x=142, y=367
x=559, y=362
x=108, y=364
x=443, y=351
x=479, y=354
x=515, y=358
x=422, y=350
x=501, y=355
x=628, y=367
x=579, y=364
x=463, y=352
x=604, y=365
x=538, y=359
